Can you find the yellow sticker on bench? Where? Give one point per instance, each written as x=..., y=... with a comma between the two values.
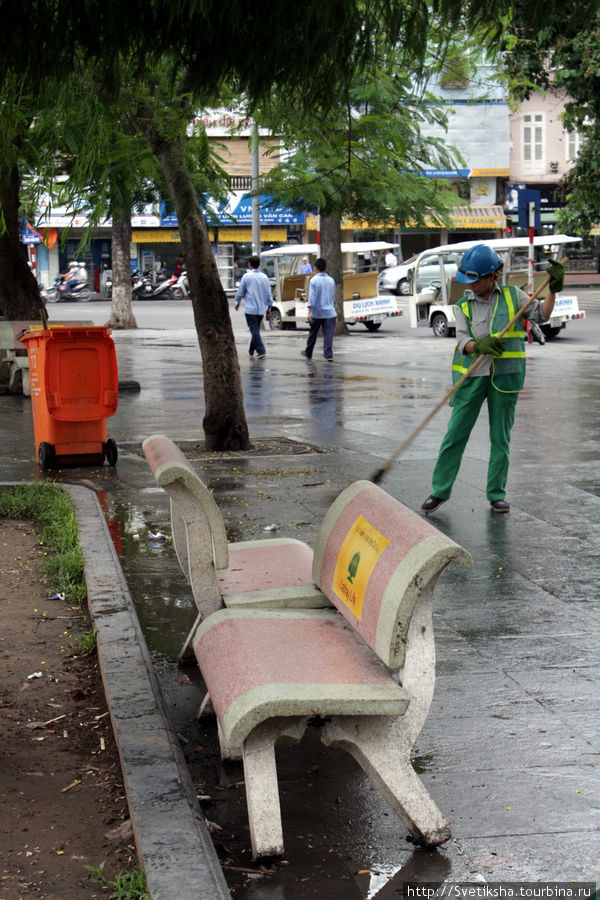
x=358, y=556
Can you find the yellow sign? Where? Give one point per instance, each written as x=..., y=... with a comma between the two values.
x=358, y=556
x=239, y=235
x=490, y=173
x=226, y=235
x=155, y=236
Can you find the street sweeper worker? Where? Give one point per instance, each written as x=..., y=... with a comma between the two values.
x=481, y=315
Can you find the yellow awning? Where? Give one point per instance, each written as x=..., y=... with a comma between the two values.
x=226, y=235
x=155, y=236
x=244, y=235
x=478, y=217
x=461, y=217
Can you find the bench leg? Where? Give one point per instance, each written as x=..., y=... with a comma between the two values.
x=262, y=793
x=187, y=651
x=262, y=790
x=205, y=708
x=179, y=538
x=376, y=745
x=418, y=674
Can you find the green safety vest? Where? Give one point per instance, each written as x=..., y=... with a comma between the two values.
x=508, y=370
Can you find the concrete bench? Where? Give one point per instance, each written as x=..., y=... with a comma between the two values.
x=271, y=571
x=13, y=353
x=367, y=665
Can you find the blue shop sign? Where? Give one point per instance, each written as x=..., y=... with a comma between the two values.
x=444, y=173
x=238, y=211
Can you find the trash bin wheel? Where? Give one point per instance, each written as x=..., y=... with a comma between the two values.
x=45, y=455
x=111, y=453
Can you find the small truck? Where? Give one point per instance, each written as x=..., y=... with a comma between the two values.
x=432, y=289
x=362, y=302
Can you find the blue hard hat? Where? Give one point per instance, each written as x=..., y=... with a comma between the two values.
x=477, y=262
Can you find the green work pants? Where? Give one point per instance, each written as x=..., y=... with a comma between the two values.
x=467, y=402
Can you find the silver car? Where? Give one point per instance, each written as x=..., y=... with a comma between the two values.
x=399, y=280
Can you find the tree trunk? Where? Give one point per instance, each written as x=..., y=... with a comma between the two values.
x=331, y=251
x=224, y=421
x=121, y=312
x=19, y=293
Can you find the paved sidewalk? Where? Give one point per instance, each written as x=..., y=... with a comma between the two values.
x=510, y=751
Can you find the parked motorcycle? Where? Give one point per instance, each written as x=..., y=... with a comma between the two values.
x=141, y=288
x=164, y=289
x=181, y=288
x=82, y=292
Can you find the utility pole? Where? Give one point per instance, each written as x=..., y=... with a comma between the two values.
x=256, y=198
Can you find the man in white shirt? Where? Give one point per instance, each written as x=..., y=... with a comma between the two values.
x=391, y=259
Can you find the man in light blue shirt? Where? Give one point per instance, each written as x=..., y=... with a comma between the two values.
x=254, y=289
x=321, y=311
x=306, y=268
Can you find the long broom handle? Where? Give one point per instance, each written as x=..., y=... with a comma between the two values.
x=389, y=462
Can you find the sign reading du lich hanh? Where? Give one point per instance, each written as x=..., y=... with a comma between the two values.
x=238, y=211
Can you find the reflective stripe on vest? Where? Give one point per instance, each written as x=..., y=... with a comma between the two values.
x=512, y=360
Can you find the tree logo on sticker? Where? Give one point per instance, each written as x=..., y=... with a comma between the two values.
x=353, y=567
x=359, y=553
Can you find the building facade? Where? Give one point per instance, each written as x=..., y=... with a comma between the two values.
x=541, y=153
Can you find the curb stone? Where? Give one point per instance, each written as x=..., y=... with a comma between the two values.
x=172, y=841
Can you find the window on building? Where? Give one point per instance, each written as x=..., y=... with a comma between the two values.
x=533, y=140
x=573, y=142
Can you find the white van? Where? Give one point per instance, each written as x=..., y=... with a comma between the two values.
x=432, y=290
x=362, y=302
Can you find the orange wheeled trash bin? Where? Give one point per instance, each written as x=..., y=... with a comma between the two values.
x=74, y=389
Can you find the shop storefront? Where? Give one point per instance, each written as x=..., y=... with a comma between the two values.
x=230, y=231
x=582, y=258
x=467, y=223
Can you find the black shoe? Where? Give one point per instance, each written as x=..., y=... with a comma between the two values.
x=432, y=503
x=304, y=353
x=499, y=506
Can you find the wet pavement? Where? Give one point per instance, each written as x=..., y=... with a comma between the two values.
x=511, y=748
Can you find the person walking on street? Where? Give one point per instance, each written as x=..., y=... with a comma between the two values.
x=321, y=311
x=254, y=289
x=480, y=316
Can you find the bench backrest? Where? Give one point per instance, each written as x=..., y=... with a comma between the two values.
x=362, y=283
x=173, y=472
x=374, y=559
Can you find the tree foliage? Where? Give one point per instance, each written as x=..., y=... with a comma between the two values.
x=562, y=54
x=309, y=53
x=363, y=157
